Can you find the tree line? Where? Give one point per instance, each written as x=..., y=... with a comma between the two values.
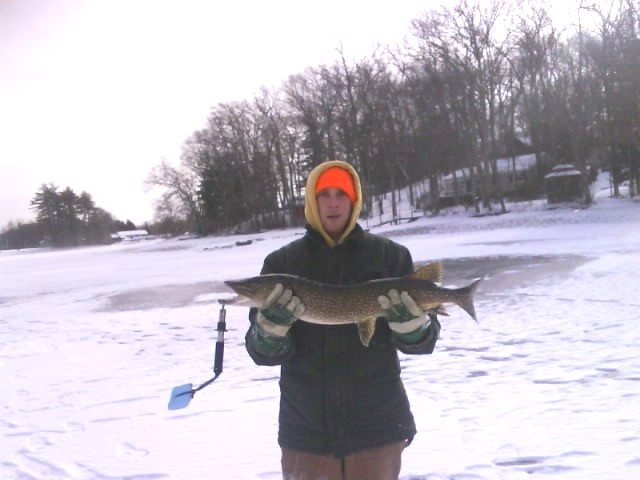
x=470, y=78
x=63, y=219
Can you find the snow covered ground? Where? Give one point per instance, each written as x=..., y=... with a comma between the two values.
x=546, y=386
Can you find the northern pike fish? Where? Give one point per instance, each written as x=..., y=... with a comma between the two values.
x=357, y=303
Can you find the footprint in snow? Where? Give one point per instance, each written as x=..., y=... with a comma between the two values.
x=127, y=448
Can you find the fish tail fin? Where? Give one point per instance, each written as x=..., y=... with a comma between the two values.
x=466, y=298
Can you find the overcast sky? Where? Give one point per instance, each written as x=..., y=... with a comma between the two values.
x=94, y=93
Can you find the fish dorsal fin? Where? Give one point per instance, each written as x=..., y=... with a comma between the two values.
x=430, y=271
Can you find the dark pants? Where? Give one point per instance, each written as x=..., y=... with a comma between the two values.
x=382, y=463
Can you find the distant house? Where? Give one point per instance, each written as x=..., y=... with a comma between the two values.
x=519, y=174
x=563, y=184
x=513, y=172
x=129, y=235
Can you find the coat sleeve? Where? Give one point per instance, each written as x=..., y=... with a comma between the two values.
x=427, y=345
x=264, y=350
x=404, y=266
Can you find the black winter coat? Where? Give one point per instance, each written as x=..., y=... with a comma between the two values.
x=337, y=396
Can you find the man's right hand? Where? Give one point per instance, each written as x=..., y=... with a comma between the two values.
x=280, y=310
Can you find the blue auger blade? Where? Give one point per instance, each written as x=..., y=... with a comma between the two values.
x=181, y=396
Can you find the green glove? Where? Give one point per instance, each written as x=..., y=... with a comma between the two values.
x=280, y=310
x=406, y=319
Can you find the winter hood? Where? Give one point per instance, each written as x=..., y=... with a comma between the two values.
x=311, y=204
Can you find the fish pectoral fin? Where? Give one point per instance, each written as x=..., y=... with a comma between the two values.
x=366, y=329
x=440, y=310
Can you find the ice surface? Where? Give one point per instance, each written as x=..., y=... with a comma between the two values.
x=92, y=340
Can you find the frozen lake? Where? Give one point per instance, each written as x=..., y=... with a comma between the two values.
x=546, y=386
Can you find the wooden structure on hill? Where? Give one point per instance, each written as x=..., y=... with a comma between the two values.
x=563, y=184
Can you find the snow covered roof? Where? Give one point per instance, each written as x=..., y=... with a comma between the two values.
x=129, y=235
x=563, y=170
x=508, y=164
x=132, y=233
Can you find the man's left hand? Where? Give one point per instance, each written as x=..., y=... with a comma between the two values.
x=404, y=315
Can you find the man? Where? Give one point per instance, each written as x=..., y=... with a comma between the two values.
x=344, y=413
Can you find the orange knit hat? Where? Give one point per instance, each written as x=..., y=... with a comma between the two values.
x=336, y=177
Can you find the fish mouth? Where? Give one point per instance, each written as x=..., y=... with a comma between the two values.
x=238, y=301
x=242, y=291
x=240, y=288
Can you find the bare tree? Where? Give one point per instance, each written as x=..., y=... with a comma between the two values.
x=472, y=39
x=615, y=55
x=180, y=190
